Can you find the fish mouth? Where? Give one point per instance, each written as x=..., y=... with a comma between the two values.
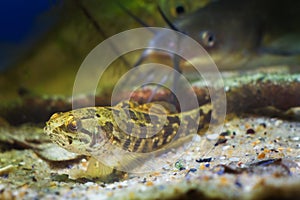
x=56, y=137
x=53, y=133
x=48, y=130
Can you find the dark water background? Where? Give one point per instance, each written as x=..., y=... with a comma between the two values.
x=23, y=23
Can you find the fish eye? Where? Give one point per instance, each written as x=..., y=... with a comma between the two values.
x=180, y=10
x=176, y=9
x=208, y=38
x=72, y=124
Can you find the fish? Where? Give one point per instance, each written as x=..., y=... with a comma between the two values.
x=122, y=137
x=240, y=34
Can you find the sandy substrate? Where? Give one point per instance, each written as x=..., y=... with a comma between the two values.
x=256, y=158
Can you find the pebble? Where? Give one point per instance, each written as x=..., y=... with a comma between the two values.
x=222, y=158
x=212, y=136
x=197, y=138
x=226, y=88
x=193, y=170
x=256, y=147
x=234, y=159
x=21, y=163
x=166, y=167
x=6, y=169
x=149, y=183
x=278, y=122
x=270, y=146
x=226, y=147
x=250, y=131
x=200, y=160
x=261, y=155
x=89, y=184
x=295, y=138
x=188, y=158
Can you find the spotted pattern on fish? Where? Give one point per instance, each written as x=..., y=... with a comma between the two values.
x=85, y=130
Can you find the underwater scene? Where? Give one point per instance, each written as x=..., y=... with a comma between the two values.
x=140, y=99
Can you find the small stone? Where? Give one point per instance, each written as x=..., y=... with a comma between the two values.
x=149, y=183
x=166, y=167
x=179, y=165
x=226, y=147
x=200, y=160
x=202, y=166
x=212, y=136
x=261, y=155
x=220, y=141
x=196, y=138
x=278, y=122
x=89, y=184
x=6, y=169
x=188, y=158
x=238, y=184
x=193, y=170
x=234, y=159
x=250, y=131
x=226, y=133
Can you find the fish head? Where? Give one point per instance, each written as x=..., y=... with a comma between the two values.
x=76, y=133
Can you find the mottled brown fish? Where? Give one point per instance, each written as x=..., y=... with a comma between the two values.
x=101, y=132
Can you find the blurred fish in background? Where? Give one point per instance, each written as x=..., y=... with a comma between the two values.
x=23, y=25
x=240, y=34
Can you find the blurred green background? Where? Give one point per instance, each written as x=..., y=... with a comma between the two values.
x=49, y=66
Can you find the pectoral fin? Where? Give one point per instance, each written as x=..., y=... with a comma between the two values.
x=95, y=170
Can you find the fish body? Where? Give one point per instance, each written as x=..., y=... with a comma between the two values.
x=116, y=134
